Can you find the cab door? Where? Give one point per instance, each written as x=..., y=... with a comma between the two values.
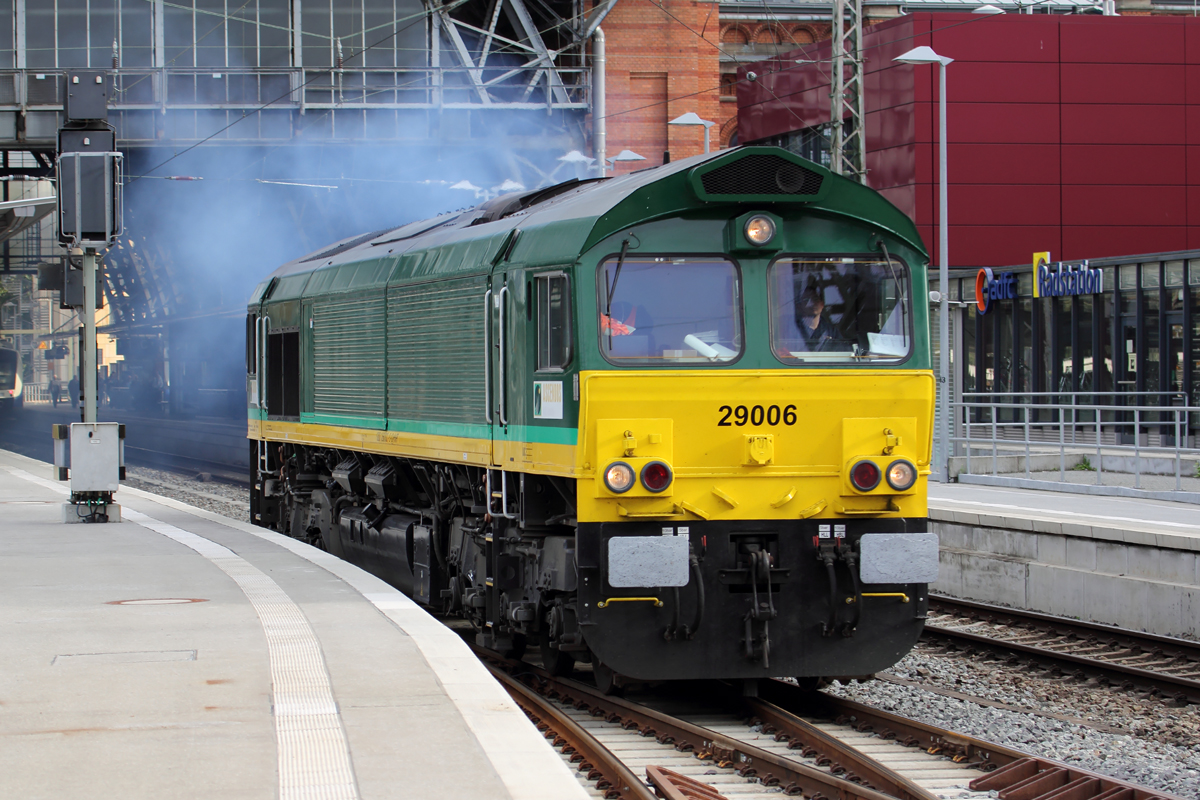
x=508, y=368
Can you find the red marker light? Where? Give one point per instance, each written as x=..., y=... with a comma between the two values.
x=656, y=476
x=865, y=475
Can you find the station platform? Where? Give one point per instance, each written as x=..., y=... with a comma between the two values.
x=183, y=654
x=1121, y=561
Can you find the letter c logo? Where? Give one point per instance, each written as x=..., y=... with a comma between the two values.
x=982, y=281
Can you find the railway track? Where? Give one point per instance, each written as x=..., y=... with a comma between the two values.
x=1162, y=666
x=787, y=741
x=160, y=443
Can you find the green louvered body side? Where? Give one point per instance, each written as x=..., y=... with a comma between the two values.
x=435, y=351
x=349, y=340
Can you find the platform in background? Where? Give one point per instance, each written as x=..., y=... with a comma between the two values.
x=1120, y=561
x=182, y=654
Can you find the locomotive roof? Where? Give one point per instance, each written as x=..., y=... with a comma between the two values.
x=571, y=217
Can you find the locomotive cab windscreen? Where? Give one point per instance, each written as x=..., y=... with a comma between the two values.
x=670, y=310
x=839, y=309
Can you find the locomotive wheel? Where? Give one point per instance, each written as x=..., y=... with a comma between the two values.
x=516, y=650
x=606, y=679
x=555, y=661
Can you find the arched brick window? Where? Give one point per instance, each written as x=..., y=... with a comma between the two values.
x=769, y=34
x=734, y=34
x=729, y=132
x=803, y=35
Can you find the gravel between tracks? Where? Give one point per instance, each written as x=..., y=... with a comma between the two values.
x=226, y=499
x=1161, y=749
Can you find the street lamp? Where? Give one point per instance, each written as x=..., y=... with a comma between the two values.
x=925, y=55
x=624, y=155
x=692, y=118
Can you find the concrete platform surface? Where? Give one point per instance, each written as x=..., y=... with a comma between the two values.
x=180, y=654
x=1147, y=522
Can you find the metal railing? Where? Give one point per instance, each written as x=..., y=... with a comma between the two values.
x=1043, y=423
x=522, y=86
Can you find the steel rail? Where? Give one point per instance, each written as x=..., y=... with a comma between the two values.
x=1177, y=685
x=1012, y=773
x=612, y=777
x=749, y=761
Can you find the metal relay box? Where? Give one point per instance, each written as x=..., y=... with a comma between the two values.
x=97, y=452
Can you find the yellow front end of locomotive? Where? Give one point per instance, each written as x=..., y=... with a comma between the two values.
x=753, y=444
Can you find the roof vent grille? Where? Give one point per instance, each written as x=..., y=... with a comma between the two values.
x=761, y=175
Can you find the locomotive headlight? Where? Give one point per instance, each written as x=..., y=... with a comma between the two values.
x=656, y=476
x=901, y=475
x=865, y=475
x=760, y=229
x=619, y=477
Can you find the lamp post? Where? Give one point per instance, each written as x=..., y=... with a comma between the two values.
x=624, y=155
x=926, y=55
x=692, y=118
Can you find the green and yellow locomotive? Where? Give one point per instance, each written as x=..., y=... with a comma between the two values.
x=675, y=424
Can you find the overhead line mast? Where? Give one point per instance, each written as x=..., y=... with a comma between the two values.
x=848, y=143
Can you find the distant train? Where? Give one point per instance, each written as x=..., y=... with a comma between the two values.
x=675, y=424
x=12, y=388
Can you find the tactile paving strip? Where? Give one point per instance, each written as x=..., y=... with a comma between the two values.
x=314, y=756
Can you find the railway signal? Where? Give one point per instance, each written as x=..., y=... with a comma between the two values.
x=88, y=170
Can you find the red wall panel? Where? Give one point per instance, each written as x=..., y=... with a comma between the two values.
x=1000, y=123
x=1135, y=84
x=1116, y=164
x=1193, y=205
x=1002, y=163
x=1192, y=174
x=1191, y=40
x=998, y=82
x=895, y=166
x=1115, y=124
x=1124, y=40
x=980, y=204
x=964, y=37
x=1124, y=205
x=886, y=41
x=888, y=88
x=999, y=245
x=1109, y=240
x=895, y=126
x=1192, y=124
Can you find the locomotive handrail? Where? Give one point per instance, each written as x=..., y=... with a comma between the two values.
x=487, y=356
x=502, y=406
x=264, y=322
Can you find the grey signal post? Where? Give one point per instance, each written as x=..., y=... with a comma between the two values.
x=88, y=169
x=89, y=199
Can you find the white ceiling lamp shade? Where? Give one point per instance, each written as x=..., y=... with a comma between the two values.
x=627, y=155
x=691, y=118
x=923, y=55
x=576, y=157
x=988, y=9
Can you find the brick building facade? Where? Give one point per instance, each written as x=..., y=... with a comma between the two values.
x=662, y=63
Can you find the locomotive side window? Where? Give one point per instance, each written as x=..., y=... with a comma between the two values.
x=553, y=300
x=833, y=309
x=676, y=310
x=252, y=344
